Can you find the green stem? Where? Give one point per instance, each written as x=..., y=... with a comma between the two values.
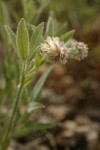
x=11, y=124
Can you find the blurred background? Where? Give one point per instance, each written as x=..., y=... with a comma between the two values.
x=72, y=91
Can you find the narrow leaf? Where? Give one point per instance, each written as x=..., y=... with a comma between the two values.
x=22, y=40
x=67, y=36
x=27, y=81
x=62, y=29
x=32, y=106
x=50, y=27
x=39, y=85
x=4, y=19
x=29, y=10
x=29, y=128
x=36, y=38
x=12, y=37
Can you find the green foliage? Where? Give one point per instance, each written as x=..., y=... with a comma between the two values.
x=31, y=107
x=22, y=40
x=4, y=19
x=26, y=44
x=62, y=28
x=39, y=85
x=12, y=38
x=32, y=9
x=68, y=35
x=80, y=14
x=50, y=27
x=31, y=60
x=29, y=128
x=36, y=39
x=29, y=10
x=16, y=75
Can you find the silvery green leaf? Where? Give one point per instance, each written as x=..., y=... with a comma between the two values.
x=28, y=128
x=50, y=27
x=32, y=106
x=4, y=19
x=31, y=28
x=12, y=38
x=39, y=85
x=22, y=40
x=62, y=29
x=36, y=39
x=68, y=35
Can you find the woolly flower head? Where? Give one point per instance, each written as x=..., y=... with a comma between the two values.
x=76, y=50
x=54, y=49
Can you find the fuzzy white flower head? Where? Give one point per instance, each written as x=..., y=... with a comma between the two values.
x=76, y=50
x=54, y=49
